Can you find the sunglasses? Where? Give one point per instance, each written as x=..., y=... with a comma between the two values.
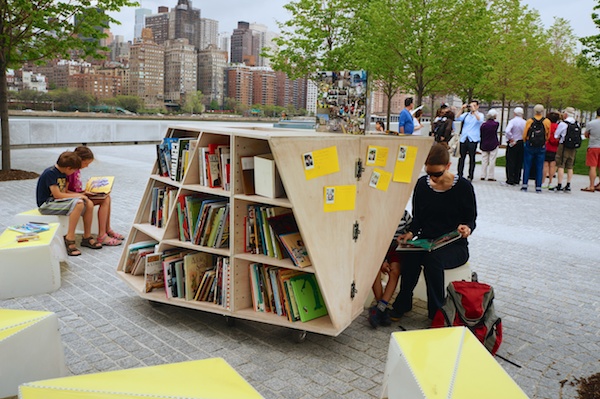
x=436, y=174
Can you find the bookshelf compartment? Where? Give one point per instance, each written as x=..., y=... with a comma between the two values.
x=339, y=262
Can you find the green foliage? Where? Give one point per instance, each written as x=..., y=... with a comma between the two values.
x=214, y=104
x=72, y=100
x=193, y=103
x=130, y=103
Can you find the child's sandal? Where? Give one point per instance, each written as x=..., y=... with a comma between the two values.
x=105, y=239
x=113, y=234
x=71, y=248
x=87, y=242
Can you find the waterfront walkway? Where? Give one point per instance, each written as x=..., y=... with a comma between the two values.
x=539, y=252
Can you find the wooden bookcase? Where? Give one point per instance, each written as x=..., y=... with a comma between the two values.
x=346, y=247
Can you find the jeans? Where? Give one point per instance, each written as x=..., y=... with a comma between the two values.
x=514, y=162
x=434, y=263
x=534, y=159
x=468, y=147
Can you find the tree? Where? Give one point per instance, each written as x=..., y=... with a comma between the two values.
x=193, y=102
x=591, y=44
x=35, y=30
x=316, y=38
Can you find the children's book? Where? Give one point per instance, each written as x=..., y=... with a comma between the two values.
x=153, y=274
x=98, y=187
x=308, y=297
x=423, y=244
x=30, y=227
x=194, y=266
x=295, y=247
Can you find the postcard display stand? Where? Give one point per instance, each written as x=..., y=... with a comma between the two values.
x=346, y=247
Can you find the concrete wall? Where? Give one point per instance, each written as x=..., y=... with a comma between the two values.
x=26, y=132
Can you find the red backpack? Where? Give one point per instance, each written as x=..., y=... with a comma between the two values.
x=471, y=304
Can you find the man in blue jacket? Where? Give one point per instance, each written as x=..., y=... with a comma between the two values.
x=405, y=124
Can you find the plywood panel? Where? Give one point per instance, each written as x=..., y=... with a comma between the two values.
x=327, y=235
x=379, y=212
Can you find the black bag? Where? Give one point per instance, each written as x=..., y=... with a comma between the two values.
x=536, y=135
x=573, y=135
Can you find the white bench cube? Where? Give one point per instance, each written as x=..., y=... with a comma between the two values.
x=34, y=215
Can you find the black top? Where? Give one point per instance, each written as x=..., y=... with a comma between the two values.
x=49, y=177
x=436, y=213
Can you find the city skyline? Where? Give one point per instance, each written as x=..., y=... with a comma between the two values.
x=268, y=12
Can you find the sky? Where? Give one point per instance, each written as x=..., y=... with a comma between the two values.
x=267, y=12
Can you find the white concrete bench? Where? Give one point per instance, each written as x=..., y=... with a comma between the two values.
x=30, y=349
x=34, y=215
x=32, y=267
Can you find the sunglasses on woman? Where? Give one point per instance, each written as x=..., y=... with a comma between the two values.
x=436, y=174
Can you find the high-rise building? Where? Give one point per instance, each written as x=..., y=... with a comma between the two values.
x=239, y=84
x=57, y=72
x=185, y=23
x=224, y=43
x=264, y=86
x=140, y=21
x=181, y=70
x=212, y=63
x=99, y=85
x=261, y=38
x=119, y=50
x=241, y=43
x=210, y=33
x=146, y=70
x=159, y=23
x=291, y=92
x=312, y=92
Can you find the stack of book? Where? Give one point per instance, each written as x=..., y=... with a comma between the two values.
x=203, y=220
x=161, y=200
x=215, y=166
x=285, y=292
x=192, y=276
x=136, y=256
x=173, y=156
x=272, y=231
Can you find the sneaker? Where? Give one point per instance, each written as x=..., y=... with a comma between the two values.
x=384, y=318
x=524, y=188
x=538, y=190
x=568, y=188
x=373, y=318
x=547, y=186
x=395, y=315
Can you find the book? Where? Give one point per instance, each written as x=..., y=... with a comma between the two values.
x=98, y=187
x=194, y=267
x=423, y=244
x=30, y=227
x=153, y=273
x=295, y=247
x=247, y=168
x=308, y=297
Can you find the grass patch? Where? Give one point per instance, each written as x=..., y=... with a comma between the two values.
x=579, y=167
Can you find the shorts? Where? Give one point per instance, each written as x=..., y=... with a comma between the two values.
x=592, y=158
x=63, y=206
x=565, y=157
x=550, y=156
x=392, y=255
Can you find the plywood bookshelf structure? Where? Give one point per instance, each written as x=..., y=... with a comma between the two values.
x=346, y=247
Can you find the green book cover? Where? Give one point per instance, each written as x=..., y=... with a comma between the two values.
x=308, y=297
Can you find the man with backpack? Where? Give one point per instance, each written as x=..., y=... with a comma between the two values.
x=568, y=134
x=535, y=135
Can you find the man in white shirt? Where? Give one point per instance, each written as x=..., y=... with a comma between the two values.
x=514, y=148
x=592, y=158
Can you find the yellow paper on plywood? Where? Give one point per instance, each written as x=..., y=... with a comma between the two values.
x=320, y=162
x=405, y=163
x=376, y=155
x=380, y=179
x=339, y=198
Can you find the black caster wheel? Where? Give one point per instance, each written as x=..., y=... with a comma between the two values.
x=300, y=336
x=230, y=321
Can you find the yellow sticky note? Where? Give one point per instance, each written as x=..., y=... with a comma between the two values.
x=376, y=155
x=320, y=162
x=339, y=198
x=405, y=163
x=380, y=179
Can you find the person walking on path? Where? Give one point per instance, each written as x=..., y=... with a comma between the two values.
x=535, y=136
x=565, y=157
x=592, y=157
x=514, y=149
x=489, y=145
x=470, y=136
x=405, y=123
x=551, y=147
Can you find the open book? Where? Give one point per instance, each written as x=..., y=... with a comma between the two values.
x=99, y=187
x=423, y=244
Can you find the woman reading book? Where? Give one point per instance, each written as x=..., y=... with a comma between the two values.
x=441, y=202
x=106, y=236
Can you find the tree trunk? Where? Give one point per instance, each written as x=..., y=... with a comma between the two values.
x=4, y=118
x=389, y=110
x=502, y=118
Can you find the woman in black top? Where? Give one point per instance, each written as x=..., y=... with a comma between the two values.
x=442, y=202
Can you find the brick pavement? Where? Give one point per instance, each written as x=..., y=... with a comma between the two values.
x=538, y=251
